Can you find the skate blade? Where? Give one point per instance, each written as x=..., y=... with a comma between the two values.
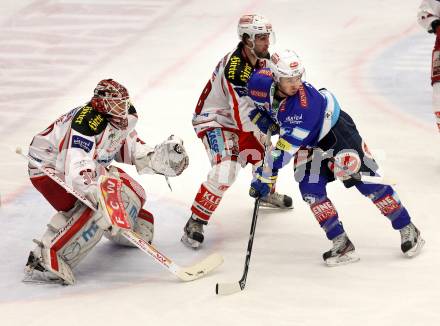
x=33, y=280
x=348, y=258
x=269, y=205
x=416, y=249
x=190, y=242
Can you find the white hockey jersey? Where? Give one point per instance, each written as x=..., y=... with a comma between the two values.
x=224, y=102
x=429, y=11
x=81, y=142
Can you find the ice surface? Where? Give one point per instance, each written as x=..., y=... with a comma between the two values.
x=371, y=54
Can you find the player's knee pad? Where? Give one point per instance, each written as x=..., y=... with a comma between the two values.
x=312, y=189
x=222, y=176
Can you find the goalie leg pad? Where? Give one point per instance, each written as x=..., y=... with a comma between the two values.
x=68, y=239
x=143, y=226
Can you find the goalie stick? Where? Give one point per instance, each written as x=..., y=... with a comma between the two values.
x=189, y=273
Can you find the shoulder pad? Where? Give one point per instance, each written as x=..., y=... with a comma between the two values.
x=89, y=122
x=238, y=70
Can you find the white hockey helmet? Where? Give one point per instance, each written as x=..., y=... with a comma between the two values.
x=253, y=25
x=285, y=63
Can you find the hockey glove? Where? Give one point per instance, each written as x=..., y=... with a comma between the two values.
x=263, y=121
x=263, y=182
x=168, y=158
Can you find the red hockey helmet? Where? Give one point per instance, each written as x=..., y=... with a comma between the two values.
x=112, y=99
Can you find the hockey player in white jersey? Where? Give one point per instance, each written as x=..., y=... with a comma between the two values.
x=221, y=121
x=79, y=147
x=429, y=18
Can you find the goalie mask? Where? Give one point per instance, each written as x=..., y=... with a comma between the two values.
x=112, y=99
x=286, y=63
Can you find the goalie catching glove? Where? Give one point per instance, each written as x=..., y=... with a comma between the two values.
x=168, y=158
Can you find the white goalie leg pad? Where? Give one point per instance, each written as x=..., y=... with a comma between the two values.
x=68, y=239
x=132, y=205
x=168, y=158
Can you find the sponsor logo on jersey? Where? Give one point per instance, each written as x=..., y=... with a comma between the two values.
x=283, y=145
x=296, y=119
x=257, y=93
x=233, y=67
x=84, y=111
x=96, y=122
x=302, y=97
x=265, y=72
x=80, y=142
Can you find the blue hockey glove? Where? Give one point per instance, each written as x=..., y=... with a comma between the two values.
x=264, y=121
x=263, y=183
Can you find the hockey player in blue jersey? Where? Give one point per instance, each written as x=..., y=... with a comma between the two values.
x=326, y=145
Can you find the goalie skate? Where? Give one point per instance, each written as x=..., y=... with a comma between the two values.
x=411, y=242
x=276, y=200
x=342, y=252
x=35, y=272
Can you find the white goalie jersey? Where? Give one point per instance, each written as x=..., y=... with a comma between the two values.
x=224, y=102
x=81, y=143
x=429, y=11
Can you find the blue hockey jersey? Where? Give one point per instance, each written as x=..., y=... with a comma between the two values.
x=304, y=118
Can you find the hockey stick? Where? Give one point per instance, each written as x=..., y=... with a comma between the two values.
x=231, y=288
x=189, y=273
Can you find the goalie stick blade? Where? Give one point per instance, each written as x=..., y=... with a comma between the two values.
x=227, y=288
x=200, y=269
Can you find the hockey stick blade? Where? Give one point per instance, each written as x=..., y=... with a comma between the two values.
x=186, y=274
x=227, y=288
x=190, y=273
x=200, y=269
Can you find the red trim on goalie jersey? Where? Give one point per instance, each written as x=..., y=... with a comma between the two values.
x=70, y=233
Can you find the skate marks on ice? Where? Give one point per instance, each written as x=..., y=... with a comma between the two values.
x=48, y=47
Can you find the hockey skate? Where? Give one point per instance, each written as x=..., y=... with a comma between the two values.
x=411, y=242
x=35, y=272
x=276, y=200
x=193, y=232
x=342, y=252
